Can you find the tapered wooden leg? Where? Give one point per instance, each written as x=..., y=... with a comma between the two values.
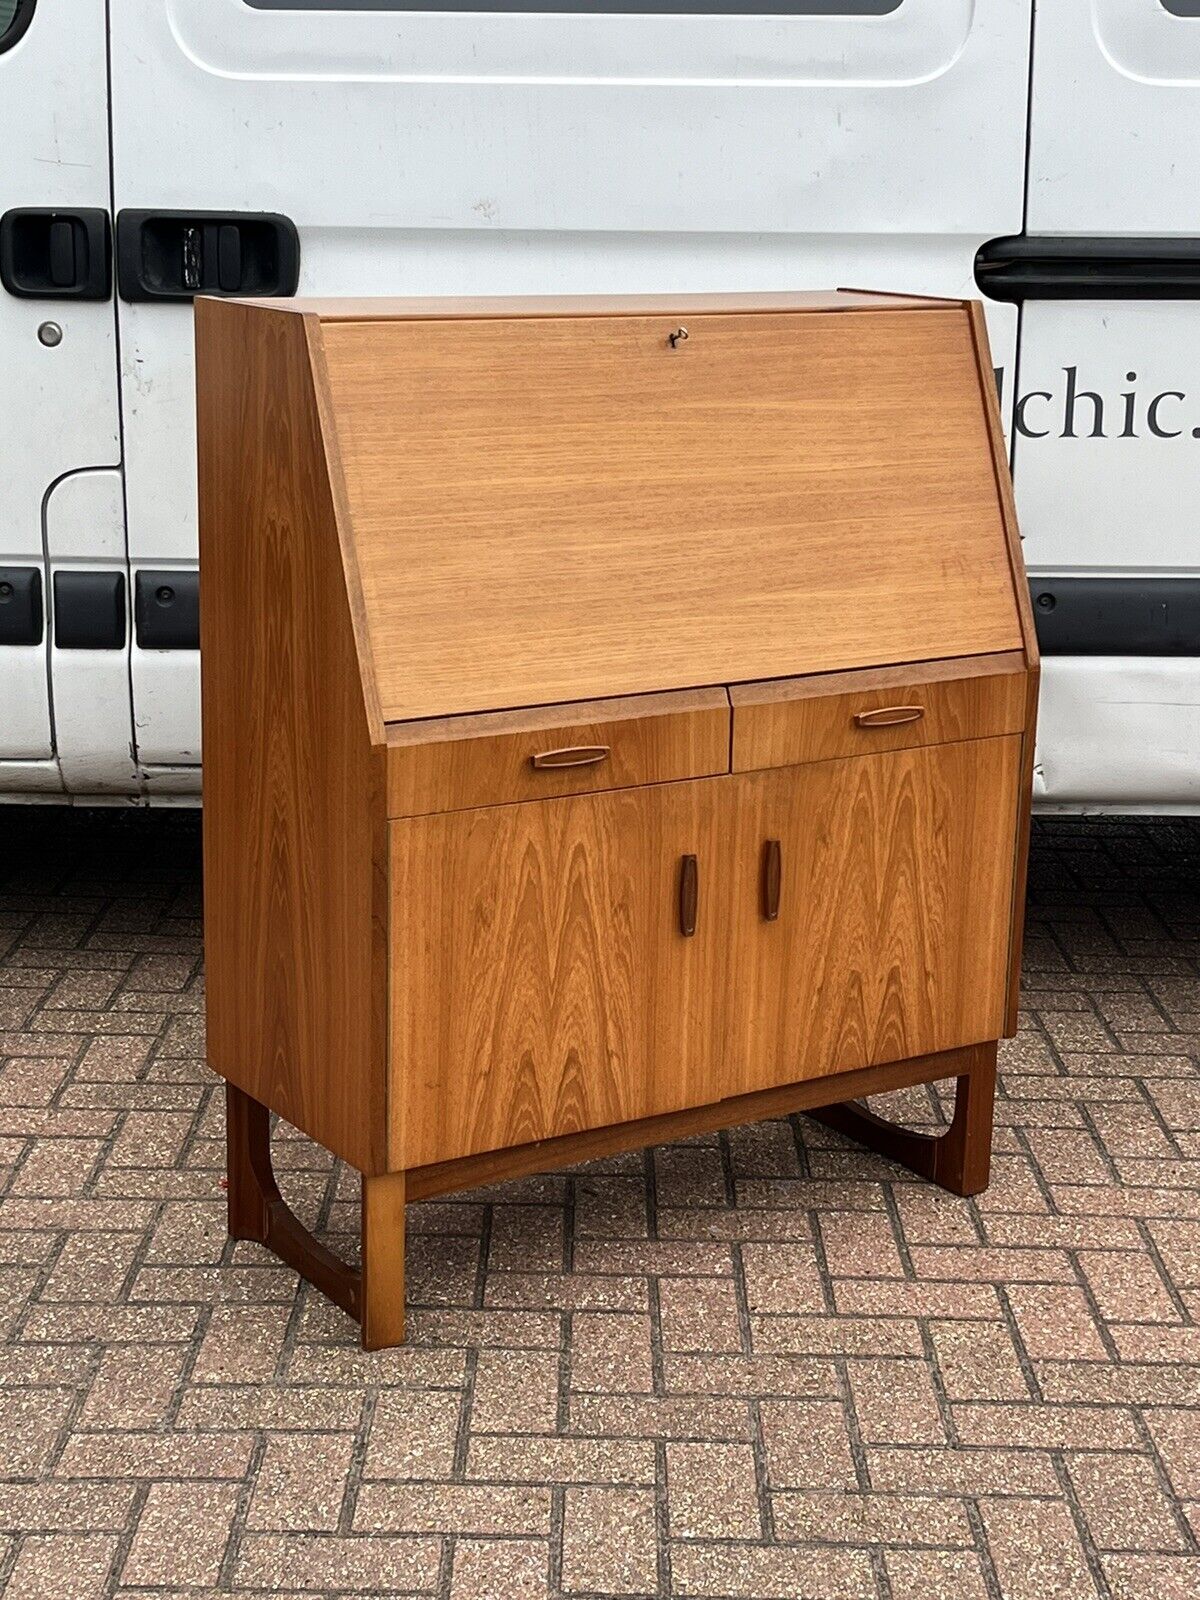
x=258, y=1211
x=248, y=1165
x=960, y=1158
x=383, y=1261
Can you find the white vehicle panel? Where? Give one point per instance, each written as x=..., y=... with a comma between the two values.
x=1116, y=97
x=1119, y=732
x=1107, y=446
x=85, y=532
x=395, y=118
x=59, y=400
x=166, y=696
x=1106, y=427
x=25, y=732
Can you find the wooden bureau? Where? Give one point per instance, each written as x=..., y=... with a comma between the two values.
x=618, y=723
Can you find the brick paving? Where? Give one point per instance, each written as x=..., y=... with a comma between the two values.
x=755, y=1365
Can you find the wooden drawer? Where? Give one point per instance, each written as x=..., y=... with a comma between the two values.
x=787, y=721
x=495, y=758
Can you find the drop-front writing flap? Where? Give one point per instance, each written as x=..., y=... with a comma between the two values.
x=566, y=508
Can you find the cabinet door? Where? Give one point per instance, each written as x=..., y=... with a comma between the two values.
x=540, y=982
x=895, y=882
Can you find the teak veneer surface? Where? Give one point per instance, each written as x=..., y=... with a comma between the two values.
x=440, y=539
x=540, y=984
x=539, y=980
x=294, y=824
x=772, y=497
x=892, y=934
x=452, y=763
x=784, y=722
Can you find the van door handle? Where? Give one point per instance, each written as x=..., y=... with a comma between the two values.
x=176, y=255
x=56, y=255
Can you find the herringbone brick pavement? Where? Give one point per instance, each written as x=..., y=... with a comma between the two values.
x=755, y=1365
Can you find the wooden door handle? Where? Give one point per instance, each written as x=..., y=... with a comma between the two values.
x=575, y=755
x=888, y=716
x=772, y=878
x=689, y=894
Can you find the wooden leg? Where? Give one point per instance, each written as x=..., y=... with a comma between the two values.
x=383, y=1261
x=258, y=1211
x=960, y=1158
x=251, y=1181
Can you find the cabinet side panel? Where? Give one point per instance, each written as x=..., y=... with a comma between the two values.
x=294, y=848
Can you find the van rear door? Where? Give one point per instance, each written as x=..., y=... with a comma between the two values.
x=58, y=399
x=1107, y=435
x=423, y=150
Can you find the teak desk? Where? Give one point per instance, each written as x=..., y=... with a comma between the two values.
x=618, y=723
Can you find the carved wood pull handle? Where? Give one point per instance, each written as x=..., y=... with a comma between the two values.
x=689, y=895
x=888, y=716
x=772, y=878
x=576, y=755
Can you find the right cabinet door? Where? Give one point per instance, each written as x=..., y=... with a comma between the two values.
x=891, y=881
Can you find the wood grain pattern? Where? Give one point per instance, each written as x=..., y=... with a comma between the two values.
x=439, y=538
x=892, y=938
x=542, y=985
x=454, y=763
x=294, y=842
x=773, y=498
x=453, y=307
x=540, y=982
x=814, y=719
x=383, y=1276
x=593, y=1144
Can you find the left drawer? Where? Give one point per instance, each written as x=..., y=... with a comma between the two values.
x=545, y=752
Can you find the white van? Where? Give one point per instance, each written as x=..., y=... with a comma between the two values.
x=1044, y=156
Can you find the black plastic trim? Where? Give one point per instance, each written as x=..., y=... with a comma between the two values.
x=176, y=255
x=166, y=609
x=31, y=238
x=89, y=610
x=1023, y=267
x=21, y=18
x=848, y=9
x=22, y=615
x=1117, y=616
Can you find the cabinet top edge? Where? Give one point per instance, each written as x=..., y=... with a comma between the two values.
x=434, y=308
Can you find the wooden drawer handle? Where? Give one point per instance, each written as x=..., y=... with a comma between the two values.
x=772, y=878
x=888, y=716
x=575, y=755
x=689, y=895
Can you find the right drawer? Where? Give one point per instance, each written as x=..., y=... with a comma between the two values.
x=785, y=722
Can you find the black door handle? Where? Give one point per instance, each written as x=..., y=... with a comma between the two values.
x=176, y=255
x=46, y=254
x=1033, y=267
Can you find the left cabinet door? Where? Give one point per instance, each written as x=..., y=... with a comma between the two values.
x=541, y=980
